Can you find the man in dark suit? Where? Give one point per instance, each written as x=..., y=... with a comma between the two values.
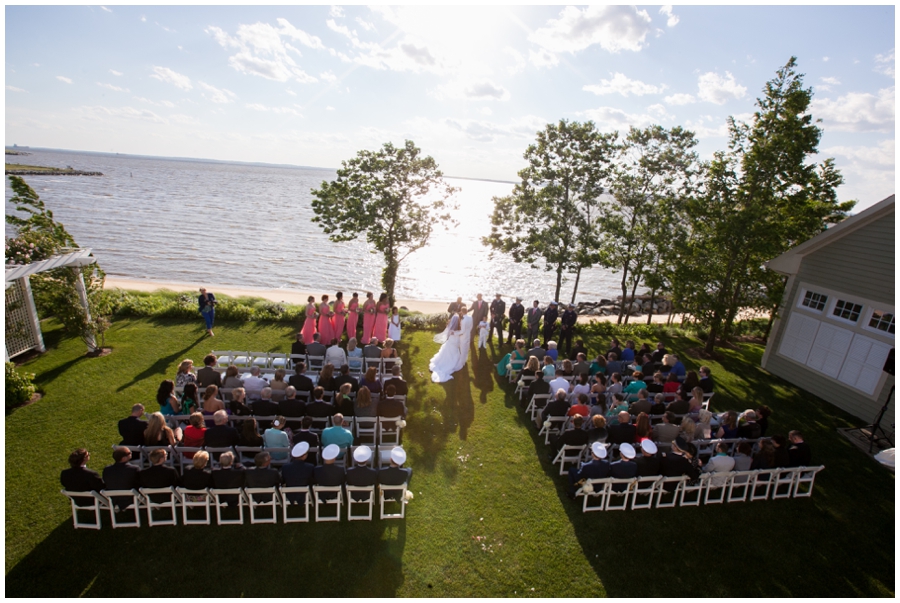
x=597, y=468
x=299, y=380
x=706, y=380
x=567, y=328
x=132, y=428
x=534, y=321
x=516, y=314
x=538, y=386
x=121, y=476
x=298, y=347
x=318, y=407
x=298, y=472
x=291, y=407
x=390, y=406
x=479, y=313
x=346, y=377
x=537, y=351
x=316, y=348
x=615, y=348
x=372, y=350
x=578, y=349
x=623, y=432
x=262, y=476
x=264, y=407
x=648, y=463
x=666, y=431
x=680, y=406
x=799, y=453
x=229, y=475
x=310, y=437
x=208, y=375
x=361, y=474
x=571, y=437
x=159, y=475
x=678, y=461
x=329, y=474
x=401, y=387
x=454, y=307
x=396, y=474
x=657, y=356
x=550, y=316
x=221, y=434
x=498, y=310
x=642, y=404
x=625, y=467
x=78, y=478
x=558, y=406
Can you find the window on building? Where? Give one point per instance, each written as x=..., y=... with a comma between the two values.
x=847, y=310
x=883, y=321
x=815, y=301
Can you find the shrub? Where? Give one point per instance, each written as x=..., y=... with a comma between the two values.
x=19, y=386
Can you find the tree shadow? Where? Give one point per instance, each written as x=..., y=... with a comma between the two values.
x=159, y=367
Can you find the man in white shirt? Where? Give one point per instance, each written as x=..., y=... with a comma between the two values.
x=254, y=384
x=560, y=382
x=336, y=356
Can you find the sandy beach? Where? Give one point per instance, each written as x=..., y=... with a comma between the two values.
x=292, y=296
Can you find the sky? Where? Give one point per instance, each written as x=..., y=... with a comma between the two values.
x=471, y=86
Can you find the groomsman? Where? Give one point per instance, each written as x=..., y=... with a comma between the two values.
x=479, y=312
x=498, y=309
x=567, y=328
x=516, y=313
x=550, y=316
x=534, y=321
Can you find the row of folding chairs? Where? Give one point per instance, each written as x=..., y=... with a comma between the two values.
x=161, y=506
x=269, y=362
x=612, y=494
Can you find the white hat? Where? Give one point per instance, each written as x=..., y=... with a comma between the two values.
x=362, y=454
x=598, y=450
x=300, y=449
x=649, y=447
x=331, y=452
x=518, y=299
x=626, y=451
x=398, y=455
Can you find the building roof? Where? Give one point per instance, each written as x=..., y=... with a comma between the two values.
x=789, y=261
x=78, y=257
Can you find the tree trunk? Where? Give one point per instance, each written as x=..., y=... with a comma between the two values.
x=389, y=276
x=732, y=313
x=771, y=321
x=577, y=278
x=633, y=291
x=652, y=301
x=559, y=271
x=624, y=293
x=711, y=340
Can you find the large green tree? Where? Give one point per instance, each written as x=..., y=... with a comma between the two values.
x=764, y=195
x=394, y=197
x=554, y=213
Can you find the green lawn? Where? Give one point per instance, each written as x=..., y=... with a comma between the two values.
x=490, y=515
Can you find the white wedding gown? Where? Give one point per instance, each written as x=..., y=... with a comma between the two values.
x=447, y=360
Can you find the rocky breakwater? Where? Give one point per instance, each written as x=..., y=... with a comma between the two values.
x=640, y=304
x=47, y=171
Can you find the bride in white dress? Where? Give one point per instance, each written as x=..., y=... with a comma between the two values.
x=447, y=360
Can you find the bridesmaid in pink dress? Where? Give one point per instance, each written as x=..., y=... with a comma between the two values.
x=309, y=325
x=368, y=318
x=352, y=316
x=381, y=317
x=339, y=314
x=326, y=329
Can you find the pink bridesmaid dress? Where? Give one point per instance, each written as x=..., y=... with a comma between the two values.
x=338, y=320
x=368, y=321
x=326, y=329
x=352, y=318
x=381, y=322
x=309, y=325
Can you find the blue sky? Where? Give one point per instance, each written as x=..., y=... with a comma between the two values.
x=311, y=85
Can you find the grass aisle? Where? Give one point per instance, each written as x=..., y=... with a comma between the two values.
x=489, y=518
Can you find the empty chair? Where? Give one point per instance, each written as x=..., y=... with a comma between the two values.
x=739, y=487
x=761, y=484
x=278, y=361
x=669, y=491
x=322, y=501
x=260, y=359
x=692, y=494
x=389, y=429
x=717, y=487
x=568, y=454
x=258, y=499
x=247, y=454
x=806, y=477
x=367, y=430
x=161, y=499
x=195, y=499
x=84, y=503
x=552, y=427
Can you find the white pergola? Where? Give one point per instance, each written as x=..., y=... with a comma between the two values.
x=20, y=308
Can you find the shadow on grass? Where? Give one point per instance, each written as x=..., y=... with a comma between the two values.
x=484, y=370
x=298, y=560
x=159, y=367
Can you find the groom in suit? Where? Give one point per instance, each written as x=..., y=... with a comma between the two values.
x=498, y=309
x=516, y=313
x=479, y=312
x=534, y=320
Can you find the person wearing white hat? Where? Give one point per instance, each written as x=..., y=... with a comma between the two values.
x=298, y=472
x=330, y=474
x=361, y=474
x=396, y=474
x=597, y=468
x=648, y=462
x=625, y=467
x=516, y=314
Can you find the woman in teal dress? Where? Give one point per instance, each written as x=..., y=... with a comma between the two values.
x=518, y=354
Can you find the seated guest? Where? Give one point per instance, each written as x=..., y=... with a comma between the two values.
x=649, y=460
x=637, y=383
x=229, y=475
x=762, y=418
x=695, y=404
x=598, y=365
x=208, y=375
x=549, y=368
x=264, y=407
x=194, y=434
x=580, y=407
x=400, y=386
x=236, y=405
x=299, y=472
x=364, y=405
x=316, y=348
x=720, y=462
x=370, y=380
x=361, y=474
x=614, y=347
x=690, y=382
x=190, y=399
x=337, y=434
x=552, y=351
x=618, y=405
x=250, y=434
x=598, y=390
x=354, y=355
x=185, y=373
x=396, y=474
x=78, y=478
x=318, y=407
x=168, y=402
x=158, y=433
x=537, y=351
x=538, y=386
x=688, y=430
x=681, y=460
x=335, y=355
x=782, y=458
x=765, y=458
x=623, y=431
x=672, y=385
x=372, y=350
x=262, y=475
x=613, y=365
x=389, y=405
x=627, y=355
x=729, y=427
x=198, y=476
x=232, y=378
x=532, y=367
x=580, y=386
x=558, y=406
x=648, y=367
x=581, y=366
x=642, y=429
x=706, y=380
x=121, y=476
x=389, y=351
x=301, y=382
x=642, y=404
x=680, y=406
x=343, y=402
x=254, y=384
x=597, y=468
x=704, y=426
x=326, y=378
x=666, y=431
x=211, y=400
x=625, y=467
x=659, y=405
x=560, y=382
x=278, y=383
x=748, y=428
x=291, y=407
x=799, y=453
x=578, y=349
x=131, y=428
x=658, y=384
x=329, y=474
x=346, y=377
x=614, y=385
x=675, y=366
x=221, y=434
x=310, y=437
x=660, y=353
x=742, y=458
x=598, y=432
x=575, y=436
x=158, y=475
x=298, y=348
x=275, y=437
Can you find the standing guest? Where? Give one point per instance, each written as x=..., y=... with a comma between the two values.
x=326, y=378
x=484, y=330
x=394, y=324
x=78, y=478
x=131, y=428
x=121, y=476
x=340, y=316
x=706, y=380
x=198, y=476
x=516, y=313
x=381, y=317
x=567, y=328
x=275, y=437
x=229, y=475
x=368, y=317
x=364, y=406
x=335, y=354
x=232, y=378
x=762, y=418
x=278, y=383
x=370, y=380
x=237, y=405
x=185, y=373
x=158, y=475
x=479, y=312
x=194, y=434
x=190, y=399
x=326, y=329
x=337, y=434
x=352, y=316
x=208, y=375
x=254, y=384
x=250, y=434
x=598, y=432
x=298, y=348
x=309, y=325
x=207, y=303
x=498, y=310
x=346, y=377
x=649, y=460
x=597, y=468
x=316, y=348
x=168, y=401
x=799, y=453
x=361, y=474
x=550, y=316
x=299, y=380
x=400, y=386
x=158, y=433
x=354, y=355
x=660, y=353
x=299, y=472
x=534, y=321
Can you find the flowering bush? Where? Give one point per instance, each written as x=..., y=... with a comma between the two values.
x=26, y=249
x=19, y=386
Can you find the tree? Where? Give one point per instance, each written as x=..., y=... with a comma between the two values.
x=763, y=196
x=553, y=213
x=653, y=173
x=380, y=194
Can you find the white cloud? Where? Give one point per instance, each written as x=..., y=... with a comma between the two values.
x=660, y=112
x=479, y=90
x=329, y=108
x=278, y=110
x=519, y=61
x=98, y=113
x=542, y=58
x=621, y=84
x=261, y=50
x=63, y=78
x=115, y=73
x=14, y=89
x=611, y=118
x=336, y=12
x=673, y=19
x=825, y=59
x=486, y=111
x=879, y=157
x=163, y=103
x=365, y=24
x=868, y=171
x=328, y=77
x=291, y=92
x=714, y=88
x=831, y=81
x=164, y=74
x=614, y=28
x=111, y=87
x=143, y=19
x=680, y=98
x=857, y=111
x=523, y=128
x=216, y=95
x=884, y=63
x=106, y=9
x=36, y=64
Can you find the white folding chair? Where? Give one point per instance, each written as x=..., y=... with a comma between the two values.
x=515, y=367
x=717, y=487
x=169, y=500
x=739, y=488
x=644, y=487
x=595, y=498
x=262, y=498
x=389, y=431
x=568, y=454
x=669, y=486
x=224, y=357
x=620, y=491
x=783, y=483
x=181, y=458
x=294, y=497
x=356, y=367
x=260, y=359
x=401, y=500
x=806, y=476
x=86, y=502
x=692, y=494
x=119, y=504
x=321, y=501
x=294, y=360
x=170, y=455
x=314, y=363
x=195, y=499
x=284, y=452
x=278, y=361
x=553, y=426
x=221, y=503
x=707, y=398
x=367, y=429
x=368, y=502
x=536, y=405
x=761, y=484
